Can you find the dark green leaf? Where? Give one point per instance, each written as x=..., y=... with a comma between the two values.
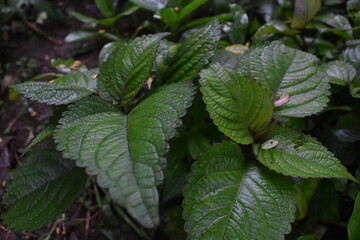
x=340, y=72
x=228, y=199
x=284, y=70
x=128, y=67
x=63, y=90
x=193, y=54
x=81, y=35
x=304, y=11
x=107, y=50
x=152, y=5
x=126, y=152
x=298, y=155
x=175, y=171
x=305, y=189
x=41, y=189
x=354, y=222
x=352, y=52
x=198, y=145
x=238, y=28
x=237, y=104
x=107, y=7
x=84, y=18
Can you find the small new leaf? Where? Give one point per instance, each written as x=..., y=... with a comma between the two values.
x=299, y=155
x=226, y=198
x=237, y=104
x=129, y=65
x=193, y=54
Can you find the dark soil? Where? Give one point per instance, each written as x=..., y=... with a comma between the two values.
x=23, y=54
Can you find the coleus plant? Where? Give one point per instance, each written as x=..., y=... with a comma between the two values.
x=119, y=119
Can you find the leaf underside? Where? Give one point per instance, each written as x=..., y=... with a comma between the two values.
x=284, y=70
x=299, y=155
x=126, y=152
x=63, y=90
x=41, y=189
x=237, y=104
x=226, y=198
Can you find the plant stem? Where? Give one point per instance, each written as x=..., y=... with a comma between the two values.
x=133, y=225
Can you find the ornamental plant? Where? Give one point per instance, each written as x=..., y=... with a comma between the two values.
x=160, y=119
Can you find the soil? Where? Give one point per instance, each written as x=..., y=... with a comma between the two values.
x=25, y=53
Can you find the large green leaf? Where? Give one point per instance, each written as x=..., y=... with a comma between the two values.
x=299, y=155
x=304, y=11
x=193, y=54
x=284, y=70
x=237, y=104
x=226, y=198
x=63, y=90
x=354, y=222
x=128, y=67
x=126, y=152
x=41, y=189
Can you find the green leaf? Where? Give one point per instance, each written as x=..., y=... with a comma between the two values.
x=284, y=70
x=41, y=189
x=238, y=105
x=48, y=131
x=226, y=198
x=63, y=90
x=126, y=152
x=107, y=50
x=354, y=222
x=81, y=35
x=307, y=237
x=274, y=27
x=84, y=18
x=352, y=52
x=299, y=155
x=304, y=11
x=106, y=7
x=193, y=54
x=175, y=171
x=238, y=28
x=305, y=189
x=340, y=72
x=127, y=68
x=152, y=5
x=198, y=145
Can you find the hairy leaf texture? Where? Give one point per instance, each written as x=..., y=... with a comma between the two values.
x=192, y=54
x=41, y=189
x=126, y=151
x=284, y=70
x=226, y=198
x=63, y=90
x=299, y=155
x=237, y=104
x=129, y=65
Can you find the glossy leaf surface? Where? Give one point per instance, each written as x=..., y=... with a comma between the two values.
x=299, y=155
x=128, y=67
x=237, y=104
x=284, y=70
x=192, y=54
x=41, y=189
x=226, y=198
x=126, y=151
x=63, y=90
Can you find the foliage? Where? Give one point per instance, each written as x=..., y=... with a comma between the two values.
x=250, y=134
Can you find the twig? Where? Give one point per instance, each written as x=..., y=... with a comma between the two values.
x=41, y=33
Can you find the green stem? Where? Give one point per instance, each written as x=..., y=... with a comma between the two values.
x=132, y=224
